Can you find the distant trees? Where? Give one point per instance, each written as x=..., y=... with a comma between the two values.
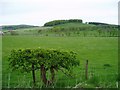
x=97, y=30
x=58, y=22
x=14, y=27
x=105, y=25
x=97, y=23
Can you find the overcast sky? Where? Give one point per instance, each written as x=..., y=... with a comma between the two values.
x=37, y=12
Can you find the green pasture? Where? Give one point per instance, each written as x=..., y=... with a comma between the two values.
x=101, y=52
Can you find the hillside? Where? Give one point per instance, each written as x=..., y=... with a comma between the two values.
x=15, y=27
x=77, y=22
x=72, y=27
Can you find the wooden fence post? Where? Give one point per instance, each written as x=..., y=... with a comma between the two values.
x=86, y=70
x=33, y=73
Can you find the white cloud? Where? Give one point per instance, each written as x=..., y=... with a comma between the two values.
x=39, y=11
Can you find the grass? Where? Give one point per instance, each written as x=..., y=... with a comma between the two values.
x=99, y=51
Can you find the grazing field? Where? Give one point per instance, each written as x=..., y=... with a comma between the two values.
x=101, y=53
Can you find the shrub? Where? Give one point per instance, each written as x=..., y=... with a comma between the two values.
x=13, y=33
x=28, y=60
x=107, y=65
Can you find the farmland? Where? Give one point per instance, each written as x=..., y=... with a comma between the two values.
x=99, y=48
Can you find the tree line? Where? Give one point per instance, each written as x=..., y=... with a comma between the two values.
x=58, y=22
x=103, y=24
x=14, y=27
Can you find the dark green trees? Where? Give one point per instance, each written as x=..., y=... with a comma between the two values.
x=58, y=22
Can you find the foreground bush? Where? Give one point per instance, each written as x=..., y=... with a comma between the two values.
x=29, y=60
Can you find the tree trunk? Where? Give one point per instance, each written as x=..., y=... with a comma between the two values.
x=33, y=73
x=43, y=74
x=86, y=70
x=52, y=74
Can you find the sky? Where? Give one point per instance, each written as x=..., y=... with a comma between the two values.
x=38, y=12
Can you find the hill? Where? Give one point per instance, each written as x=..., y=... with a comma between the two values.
x=85, y=29
x=77, y=22
x=14, y=27
x=59, y=22
x=71, y=27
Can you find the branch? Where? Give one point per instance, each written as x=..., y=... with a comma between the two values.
x=67, y=74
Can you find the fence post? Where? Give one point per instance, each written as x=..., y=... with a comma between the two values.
x=86, y=70
x=33, y=73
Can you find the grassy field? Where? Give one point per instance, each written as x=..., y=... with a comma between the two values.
x=101, y=52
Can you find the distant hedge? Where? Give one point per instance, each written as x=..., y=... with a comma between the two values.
x=97, y=23
x=58, y=22
x=14, y=27
x=103, y=24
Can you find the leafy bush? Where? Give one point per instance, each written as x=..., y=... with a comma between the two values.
x=13, y=33
x=28, y=60
x=107, y=65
